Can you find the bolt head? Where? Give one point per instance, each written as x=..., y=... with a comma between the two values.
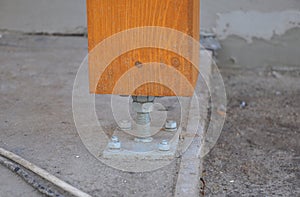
x=114, y=138
x=171, y=125
x=114, y=143
x=164, y=145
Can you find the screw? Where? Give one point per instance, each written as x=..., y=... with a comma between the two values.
x=175, y=61
x=164, y=145
x=138, y=64
x=171, y=125
x=114, y=143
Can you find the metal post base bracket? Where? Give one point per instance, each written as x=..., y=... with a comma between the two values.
x=163, y=146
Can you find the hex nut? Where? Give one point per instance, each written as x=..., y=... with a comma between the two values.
x=164, y=145
x=171, y=125
x=125, y=124
x=114, y=138
x=143, y=99
x=142, y=107
x=114, y=144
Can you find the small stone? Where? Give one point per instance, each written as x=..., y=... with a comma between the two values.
x=243, y=104
x=276, y=74
x=233, y=60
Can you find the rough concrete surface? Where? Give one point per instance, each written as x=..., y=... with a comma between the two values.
x=256, y=155
x=212, y=9
x=254, y=33
x=279, y=51
x=12, y=185
x=247, y=25
x=37, y=75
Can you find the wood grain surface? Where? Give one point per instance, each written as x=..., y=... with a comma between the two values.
x=109, y=17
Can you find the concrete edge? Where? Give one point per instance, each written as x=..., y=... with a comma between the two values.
x=190, y=170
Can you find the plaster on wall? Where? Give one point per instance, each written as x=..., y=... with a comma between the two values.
x=254, y=24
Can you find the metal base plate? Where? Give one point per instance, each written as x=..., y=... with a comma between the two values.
x=132, y=149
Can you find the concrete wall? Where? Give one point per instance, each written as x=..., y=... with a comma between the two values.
x=252, y=32
x=255, y=32
x=51, y=16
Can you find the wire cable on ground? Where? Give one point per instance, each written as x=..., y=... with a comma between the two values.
x=43, y=174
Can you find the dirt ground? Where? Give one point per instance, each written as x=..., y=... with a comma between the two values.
x=258, y=153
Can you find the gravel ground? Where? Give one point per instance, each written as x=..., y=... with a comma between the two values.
x=258, y=152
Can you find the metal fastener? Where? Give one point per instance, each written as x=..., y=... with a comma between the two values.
x=164, y=145
x=114, y=143
x=171, y=125
x=138, y=64
x=125, y=124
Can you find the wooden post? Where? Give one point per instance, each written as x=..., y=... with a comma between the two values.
x=109, y=17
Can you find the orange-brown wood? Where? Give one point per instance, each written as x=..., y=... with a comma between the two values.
x=108, y=17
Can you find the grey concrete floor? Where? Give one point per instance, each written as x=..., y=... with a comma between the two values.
x=256, y=155
x=37, y=75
